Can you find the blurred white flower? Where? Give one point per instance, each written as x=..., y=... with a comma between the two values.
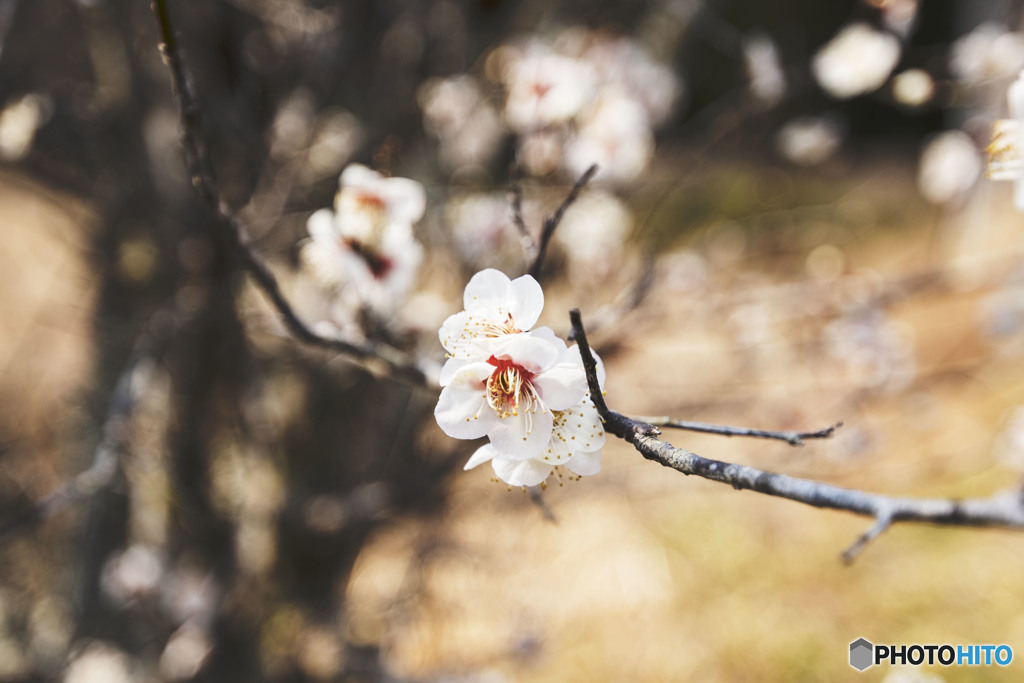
x=19, y=122
x=367, y=241
x=898, y=16
x=592, y=235
x=545, y=87
x=810, y=140
x=131, y=574
x=764, y=68
x=626, y=65
x=466, y=124
x=99, y=663
x=482, y=229
x=913, y=87
x=988, y=52
x=616, y=136
x=857, y=60
x=1005, y=161
x=950, y=166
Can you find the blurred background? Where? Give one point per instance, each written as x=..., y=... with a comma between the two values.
x=789, y=227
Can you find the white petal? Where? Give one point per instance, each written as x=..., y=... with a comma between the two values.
x=405, y=198
x=448, y=370
x=1015, y=98
x=482, y=455
x=521, y=436
x=521, y=472
x=585, y=464
x=561, y=387
x=462, y=410
x=357, y=175
x=573, y=356
x=321, y=226
x=533, y=353
x=581, y=427
x=527, y=301
x=486, y=292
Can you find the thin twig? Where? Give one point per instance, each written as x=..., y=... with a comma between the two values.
x=554, y=219
x=792, y=438
x=1003, y=509
x=517, y=211
x=234, y=229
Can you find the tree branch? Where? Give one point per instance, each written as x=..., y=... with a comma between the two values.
x=1004, y=509
x=554, y=219
x=234, y=229
x=792, y=438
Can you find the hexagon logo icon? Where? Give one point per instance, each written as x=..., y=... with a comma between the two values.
x=861, y=654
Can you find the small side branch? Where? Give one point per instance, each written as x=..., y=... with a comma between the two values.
x=234, y=229
x=554, y=219
x=1004, y=509
x=792, y=438
x=517, y=212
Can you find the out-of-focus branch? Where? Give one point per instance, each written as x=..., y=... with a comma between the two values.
x=1004, y=509
x=792, y=438
x=554, y=219
x=234, y=229
x=517, y=211
x=116, y=431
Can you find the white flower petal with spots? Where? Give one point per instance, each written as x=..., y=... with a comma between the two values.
x=494, y=307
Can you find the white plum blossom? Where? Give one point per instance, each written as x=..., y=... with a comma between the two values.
x=545, y=87
x=577, y=437
x=990, y=51
x=857, y=60
x=493, y=306
x=592, y=235
x=521, y=387
x=456, y=112
x=367, y=241
x=1005, y=159
x=616, y=136
x=950, y=166
x=509, y=396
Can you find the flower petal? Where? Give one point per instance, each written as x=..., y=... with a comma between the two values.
x=521, y=436
x=448, y=370
x=482, y=455
x=585, y=463
x=527, y=301
x=533, y=353
x=462, y=410
x=562, y=386
x=320, y=226
x=486, y=292
x=581, y=427
x=521, y=472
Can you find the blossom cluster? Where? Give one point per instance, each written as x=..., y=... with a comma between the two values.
x=582, y=98
x=365, y=246
x=520, y=386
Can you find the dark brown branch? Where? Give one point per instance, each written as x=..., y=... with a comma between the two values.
x=554, y=219
x=792, y=438
x=234, y=229
x=1004, y=509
